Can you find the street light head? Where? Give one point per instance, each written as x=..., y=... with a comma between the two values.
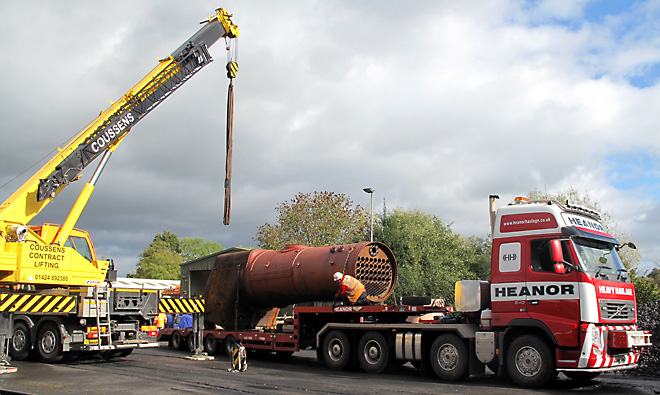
x=368, y=190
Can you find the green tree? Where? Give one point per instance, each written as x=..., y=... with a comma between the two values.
x=430, y=256
x=158, y=261
x=315, y=219
x=170, y=240
x=163, y=257
x=195, y=248
x=646, y=290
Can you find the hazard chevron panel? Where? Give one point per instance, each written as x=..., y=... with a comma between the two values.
x=51, y=304
x=181, y=306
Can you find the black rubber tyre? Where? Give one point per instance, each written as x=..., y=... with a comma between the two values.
x=210, y=344
x=49, y=343
x=373, y=352
x=125, y=352
x=449, y=357
x=176, y=340
x=530, y=362
x=20, y=344
x=190, y=341
x=336, y=350
x=582, y=377
x=229, y=343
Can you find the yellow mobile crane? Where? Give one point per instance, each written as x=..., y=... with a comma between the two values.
x=56, y=296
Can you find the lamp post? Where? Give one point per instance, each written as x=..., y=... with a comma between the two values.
x=371, y=209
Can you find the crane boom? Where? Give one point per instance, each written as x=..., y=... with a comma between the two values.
x=52, y=255
x=114, y=123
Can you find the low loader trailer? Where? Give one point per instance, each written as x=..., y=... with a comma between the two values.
x=559, y=300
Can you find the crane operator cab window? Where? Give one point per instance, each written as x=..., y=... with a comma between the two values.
x=79, y=244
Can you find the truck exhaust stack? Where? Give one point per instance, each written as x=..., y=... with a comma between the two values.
x=244, y=285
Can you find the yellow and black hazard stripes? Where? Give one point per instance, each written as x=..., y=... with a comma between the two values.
x=22, y=303
x=181, y=306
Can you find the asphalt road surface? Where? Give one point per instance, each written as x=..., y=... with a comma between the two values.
x=163, y=371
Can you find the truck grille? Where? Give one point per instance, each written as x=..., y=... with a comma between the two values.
x=617, y=310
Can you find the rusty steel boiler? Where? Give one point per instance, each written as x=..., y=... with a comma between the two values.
x=244, y=285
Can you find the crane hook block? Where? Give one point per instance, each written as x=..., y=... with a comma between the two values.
x=232, y=69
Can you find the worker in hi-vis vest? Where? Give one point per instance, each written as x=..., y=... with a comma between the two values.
x=351, y=290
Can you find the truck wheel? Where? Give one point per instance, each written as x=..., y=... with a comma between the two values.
x=210, y=344
x=176, y=341
x=230, y=342
x=49, y=344
x=529, y=362
x=336, y=350
x=373, y=352
x=582, y=377
x=20, y=345
x=449, y=357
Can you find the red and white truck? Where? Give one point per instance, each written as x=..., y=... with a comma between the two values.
x=559, y=300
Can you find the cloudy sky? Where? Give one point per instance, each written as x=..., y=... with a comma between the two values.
x=433, y=104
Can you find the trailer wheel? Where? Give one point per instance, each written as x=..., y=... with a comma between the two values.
x=373, y=352
x=529, y=362
x=336, y=350
x=190, y=341
x=176, y=341
x=49, y=344
x=210, y=344
x=450, y=357
x=20, y=344
x=230, y=342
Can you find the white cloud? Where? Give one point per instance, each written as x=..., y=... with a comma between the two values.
x=435, y=105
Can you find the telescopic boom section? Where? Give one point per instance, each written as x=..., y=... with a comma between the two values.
x=107, y=130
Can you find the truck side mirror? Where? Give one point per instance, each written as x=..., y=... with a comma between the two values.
x=561, y=266
x=555, y=251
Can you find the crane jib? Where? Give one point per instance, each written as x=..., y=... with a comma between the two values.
x=129, y=114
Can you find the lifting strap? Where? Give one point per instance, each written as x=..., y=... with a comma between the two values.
x=232, y=69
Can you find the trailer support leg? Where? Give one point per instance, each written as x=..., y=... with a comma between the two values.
x=198, y=339
x=6, y=329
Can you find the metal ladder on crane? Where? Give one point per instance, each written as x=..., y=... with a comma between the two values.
x=103, y=320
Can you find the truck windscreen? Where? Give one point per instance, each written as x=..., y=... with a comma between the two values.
x=600, y=260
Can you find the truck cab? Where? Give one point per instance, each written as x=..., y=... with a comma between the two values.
x=556, y=274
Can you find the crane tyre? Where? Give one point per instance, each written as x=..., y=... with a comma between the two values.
x=49, y=343
x=336, y=350
x=530, y=362
x=449, y=357
x=20, y=344
x=373, y=352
